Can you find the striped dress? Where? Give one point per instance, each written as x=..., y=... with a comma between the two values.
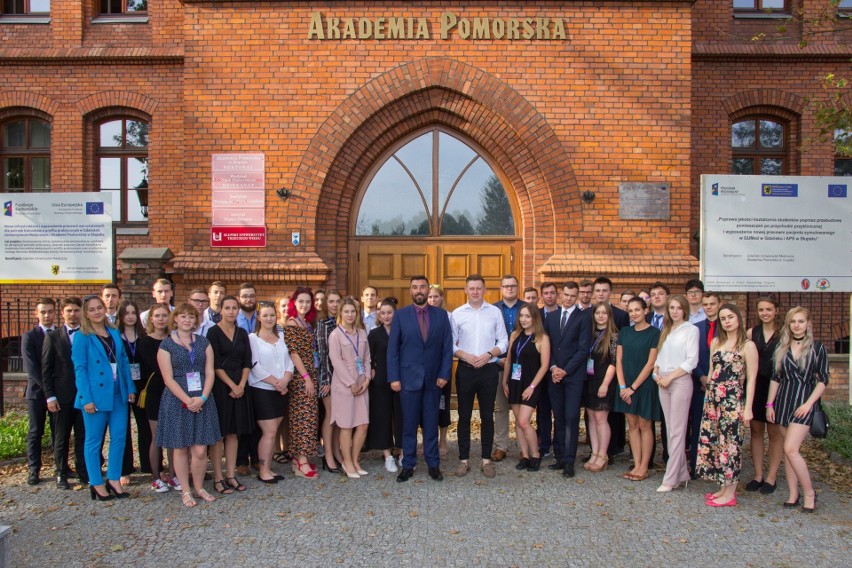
x=796, y=385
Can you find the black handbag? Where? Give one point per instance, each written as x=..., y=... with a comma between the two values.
x=820, y=424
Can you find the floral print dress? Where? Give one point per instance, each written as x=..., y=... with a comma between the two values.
x=304, y=412
x=721, y=438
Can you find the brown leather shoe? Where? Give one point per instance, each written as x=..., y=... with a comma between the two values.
x=489, y=470
x=498, y=455
x=242, y=470
x=462, y=469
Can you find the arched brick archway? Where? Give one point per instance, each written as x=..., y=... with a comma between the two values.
x=459, y=97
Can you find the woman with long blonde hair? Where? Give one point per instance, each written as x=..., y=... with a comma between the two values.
x=733, y=366
x=801, y=376
x=527, y=361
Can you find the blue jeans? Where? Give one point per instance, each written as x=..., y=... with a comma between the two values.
x=96, y=425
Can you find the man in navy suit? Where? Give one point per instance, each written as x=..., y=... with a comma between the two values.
x=544, y=410
x=708, y=329
x=420, y=359
x=570, y=334
x=60, y=388
x=31, y=345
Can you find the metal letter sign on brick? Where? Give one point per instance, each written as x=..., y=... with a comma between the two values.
x=776, y=233
x=60, y=238
x=239, y=199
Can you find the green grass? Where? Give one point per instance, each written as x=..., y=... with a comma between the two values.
x=839, y=438
x=13, y=434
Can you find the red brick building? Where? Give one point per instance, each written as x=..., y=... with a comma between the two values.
x=383, y=123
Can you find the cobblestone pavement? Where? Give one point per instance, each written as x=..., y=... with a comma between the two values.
x=516, y=519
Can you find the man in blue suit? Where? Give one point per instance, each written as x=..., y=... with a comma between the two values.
x=570, y=334
x=31, y=346
x=420, y=358
x=708, y=329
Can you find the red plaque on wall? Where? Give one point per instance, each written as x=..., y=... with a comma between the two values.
x=237, y=237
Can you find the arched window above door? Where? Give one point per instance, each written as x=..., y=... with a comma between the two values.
x=435, y=185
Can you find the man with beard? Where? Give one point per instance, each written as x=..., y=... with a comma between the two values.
x=246, y=319
x=420, y=357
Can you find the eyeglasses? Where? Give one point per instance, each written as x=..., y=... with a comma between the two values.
x=199, y=301
x=509, y=286
x=694, y=292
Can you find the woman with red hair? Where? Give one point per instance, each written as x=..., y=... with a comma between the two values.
x=301, y=340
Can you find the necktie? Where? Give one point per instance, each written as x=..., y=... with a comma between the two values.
x=215, y=317
x=73, y=331
x=564, y=320
x=421, y=320
x=657, y=321
x=711, y=332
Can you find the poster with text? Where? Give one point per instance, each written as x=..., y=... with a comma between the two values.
x=776, y=233
x=56, y=238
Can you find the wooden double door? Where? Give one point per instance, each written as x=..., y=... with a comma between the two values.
x=389, y=265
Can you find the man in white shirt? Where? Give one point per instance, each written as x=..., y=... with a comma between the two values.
x=369, y=301
x=479, y=336
x=584, y=295
x=216, y=293
x=111, y=296
x=162, y=292
x=199, y=300
x=694, y=294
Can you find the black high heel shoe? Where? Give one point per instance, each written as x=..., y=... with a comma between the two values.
x=98, y=496
x=809, y=509
x=111, y=489
x=326, y=467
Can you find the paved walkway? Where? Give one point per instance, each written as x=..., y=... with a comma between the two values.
x=516, y=519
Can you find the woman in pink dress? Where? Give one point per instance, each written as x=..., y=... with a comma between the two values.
x=350, y=404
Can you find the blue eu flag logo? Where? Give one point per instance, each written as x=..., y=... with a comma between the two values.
x=94, y=208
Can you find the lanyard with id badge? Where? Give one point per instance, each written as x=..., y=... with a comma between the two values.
x=516, y=367
x=590, y=362
x=359, y=362
x=110, y=352
x=193, y=378
x=135, y=371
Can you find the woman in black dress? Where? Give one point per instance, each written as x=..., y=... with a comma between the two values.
x=385, y=409
x=156, y=330
x=765, y=338
x=232, y=363
x=801, y=376
x=527, y=362
x=131, y=332
x=599, y=393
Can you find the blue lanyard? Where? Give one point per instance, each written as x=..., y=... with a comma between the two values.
x=108, y=345
x=596, y=342
x=355, y=344
x=520, y=347
x=191, y=346
x=131, y=346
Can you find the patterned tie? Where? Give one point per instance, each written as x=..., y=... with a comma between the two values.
x=564, y=320
x=657, y=321
x=421, y=320
x=215, y=317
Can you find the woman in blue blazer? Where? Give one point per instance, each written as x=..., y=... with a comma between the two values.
x=104, y=388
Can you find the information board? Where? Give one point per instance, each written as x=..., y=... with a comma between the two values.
x=776, y=233
x=56, y=238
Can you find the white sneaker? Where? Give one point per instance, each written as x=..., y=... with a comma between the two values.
x=157, y=486
x=175, y=484
x=390, y=465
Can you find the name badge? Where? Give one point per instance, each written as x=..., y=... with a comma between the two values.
x=443, y=404
x=359, y=364
x=114, y=371
x=135, y=372
x=193, y=381
x=590, y=366
x=516, y=371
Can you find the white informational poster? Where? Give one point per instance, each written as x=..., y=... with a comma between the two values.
x=56, y=238
x=776, y=233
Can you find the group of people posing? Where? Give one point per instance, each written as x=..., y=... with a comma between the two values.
x=235, y=381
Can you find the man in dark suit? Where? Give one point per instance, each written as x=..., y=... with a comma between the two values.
x=60, y=389
x=544, y=410
x=602, y=293
x=31, y=345
x=420, y=358
x=570, y=334
x=708, y=329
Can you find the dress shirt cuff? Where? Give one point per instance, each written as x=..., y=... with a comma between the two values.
x=51, y=399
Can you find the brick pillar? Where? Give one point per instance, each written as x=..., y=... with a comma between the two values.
x=137, y=270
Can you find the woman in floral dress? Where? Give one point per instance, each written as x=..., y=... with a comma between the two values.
x=727, y=407
x=301, y=340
